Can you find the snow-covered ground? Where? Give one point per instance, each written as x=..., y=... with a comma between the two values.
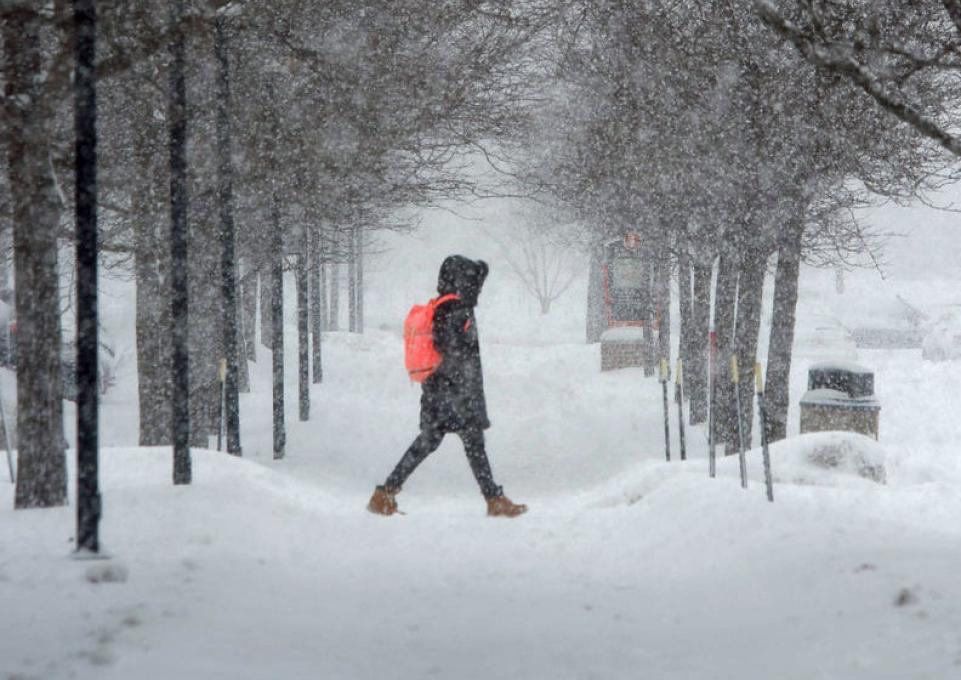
x=626, y=566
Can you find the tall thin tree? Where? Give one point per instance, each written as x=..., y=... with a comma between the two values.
x=85, y=124
x=228, y=260
x=180, y=394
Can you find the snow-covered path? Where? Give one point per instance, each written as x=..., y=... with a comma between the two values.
x=626, y=566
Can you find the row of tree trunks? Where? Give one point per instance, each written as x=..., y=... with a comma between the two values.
x=28, y=128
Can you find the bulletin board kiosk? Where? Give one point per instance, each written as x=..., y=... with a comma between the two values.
x=629, y=339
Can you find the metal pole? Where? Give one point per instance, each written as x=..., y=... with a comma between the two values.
x=667, y=425
x=679, y=396
x=762, y=416
x=742, y=459
x=88, y=492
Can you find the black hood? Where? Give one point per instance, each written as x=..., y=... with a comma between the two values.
x=463, y=277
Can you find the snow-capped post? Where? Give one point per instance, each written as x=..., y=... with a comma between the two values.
x=180, y=358
x=85, y=122
x=228, y=261
x=741, y=454
x=762, y=422
x=679, y=397
x=667, y=424
x=303, y=337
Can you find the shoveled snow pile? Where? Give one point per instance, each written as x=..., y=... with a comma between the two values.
x=817, y=458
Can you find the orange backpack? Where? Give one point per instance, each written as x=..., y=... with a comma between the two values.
x=420, y=356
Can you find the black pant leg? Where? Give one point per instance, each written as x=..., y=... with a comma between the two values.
x=425, y=444
x=477, y=457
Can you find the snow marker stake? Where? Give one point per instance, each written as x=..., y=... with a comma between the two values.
x=679, y=396
x=742, y=460
x=762, y=416
x=667, y=426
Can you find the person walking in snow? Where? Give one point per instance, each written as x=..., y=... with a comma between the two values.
x=453, y=396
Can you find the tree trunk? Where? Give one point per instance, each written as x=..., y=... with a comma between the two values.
x=700, y=339
x=303, y=339
x=28, y=126
x=352, y=280
x=777, y=388
x=177, y=120
x=277, y=329
x=88, y=446
x=228, y=260
x=725, y=408
x=750, y=292
x=316, y=305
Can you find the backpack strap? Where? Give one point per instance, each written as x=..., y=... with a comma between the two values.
x=444, y=298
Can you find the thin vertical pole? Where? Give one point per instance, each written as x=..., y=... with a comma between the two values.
x=360, y=280
x=88, y=492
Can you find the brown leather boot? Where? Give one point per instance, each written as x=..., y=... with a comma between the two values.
x=383, y=501
x=502, y=506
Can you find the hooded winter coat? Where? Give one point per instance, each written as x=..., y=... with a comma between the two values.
x=453, y=397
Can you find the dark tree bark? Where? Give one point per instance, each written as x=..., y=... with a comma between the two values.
x=180, y=362
x=152, y=270
x=228, y=260
x=725, y=296
x=700, y=339
x=28, y=127
x=777, y=382
x=303, y=339
x=277, y=328
x=750, y=291
x=88, y=491
x=316, y=305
